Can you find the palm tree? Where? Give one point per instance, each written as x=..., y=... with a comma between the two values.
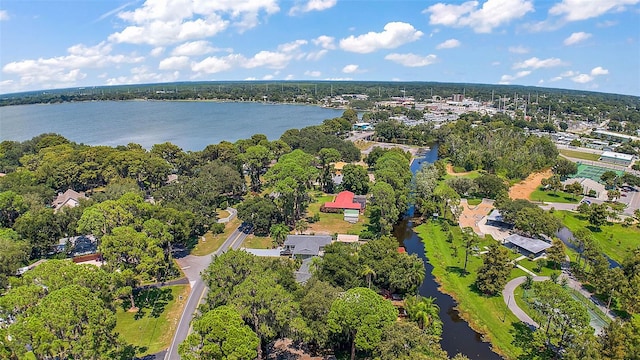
x=279, y=233
x=367, y=272
x=424, y=311
x=301, y=226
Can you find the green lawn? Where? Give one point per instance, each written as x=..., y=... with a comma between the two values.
x=557, y=197
x=151, y=328
x=474, y=201
x=258, y=242
x=471, y=175
x=615, y=240
x=212, y=242
x=580, y=154
x=485, y=314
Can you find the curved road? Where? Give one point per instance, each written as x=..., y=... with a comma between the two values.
x=510, y=300
x=193, y=267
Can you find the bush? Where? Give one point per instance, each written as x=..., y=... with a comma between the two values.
x=217, y=228
x=366, y=234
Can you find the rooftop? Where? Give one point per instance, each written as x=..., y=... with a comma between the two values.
x=307, y=244
x=618, y=156
x=531, y=245
x=344, y=200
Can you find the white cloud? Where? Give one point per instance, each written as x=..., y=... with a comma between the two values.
x=412, y=60
x=557, y=78
x=495, y=63
x=174, y=63
x=312, y=5
x=576, y=37
x=193, y=48
x=518, y=49
x=214, y=64
x=507, y=79
x=574, y=10
x=582, y=78
x=316, y=55
x=170, y=32
x=586, y=78
x=267, y=77
x=535, y=63
x=351, y=68
x=394, y=35
x=66, y=70
x=269, y=59
x=449, y=44
x=157, y=51
x=599, y=71
x=314, y=73
x=4, y=15
x=289, y=77
x=339, y=79
x=606, y=23
x=141, y=74
x=159, y=22
x=569, y=73
x=292, y=46
x=324, y=41
x=492, y=14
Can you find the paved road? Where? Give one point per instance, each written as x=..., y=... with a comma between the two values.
x=193, y=267
x=510, y=300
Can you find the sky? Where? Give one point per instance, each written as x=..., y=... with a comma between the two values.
x=572, y=44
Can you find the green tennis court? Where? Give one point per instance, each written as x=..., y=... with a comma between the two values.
x=592, y=172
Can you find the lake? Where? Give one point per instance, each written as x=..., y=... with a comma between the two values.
x=192, y=125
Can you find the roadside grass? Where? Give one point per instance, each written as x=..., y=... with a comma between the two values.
x=484, y=314
x=212, y=242
x=221, y=214
x=615, y=240
x=533, y=265
x=151, y=328
x=331, y=223
x=363, y=144
x=557, y=197
x=257, y=242
x=580, y=154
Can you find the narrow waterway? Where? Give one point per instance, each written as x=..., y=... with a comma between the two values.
x=457, y=336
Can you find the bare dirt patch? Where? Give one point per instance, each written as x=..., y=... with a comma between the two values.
x=471, y=215
x=285, y=349
x=523, y=189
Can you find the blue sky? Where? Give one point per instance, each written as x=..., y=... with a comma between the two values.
x=574, y=44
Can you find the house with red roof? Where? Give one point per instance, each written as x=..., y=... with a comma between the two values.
x=345, y=200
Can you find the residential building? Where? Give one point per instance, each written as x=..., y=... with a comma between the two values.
x=305, y=246
x=69, y=198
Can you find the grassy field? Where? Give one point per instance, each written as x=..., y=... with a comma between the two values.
x=471, y=175
x=485, y=314
x=474, y=201
x=332, y=223
x=579, y=154
x=152, y=326
x=212, y=242
x=557, y=197
x=615, y=240
x=257, y=242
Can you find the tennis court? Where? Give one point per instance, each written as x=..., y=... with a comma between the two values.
x=592, y=172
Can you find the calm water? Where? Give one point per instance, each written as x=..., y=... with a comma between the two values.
x=190, y=125
x=457, y=336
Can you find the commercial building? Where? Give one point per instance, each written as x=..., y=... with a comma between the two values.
x=616, y=158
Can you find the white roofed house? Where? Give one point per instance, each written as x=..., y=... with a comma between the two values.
x=616, y=158
x=69, y=198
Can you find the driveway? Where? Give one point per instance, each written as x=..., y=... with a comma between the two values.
x=192, y=266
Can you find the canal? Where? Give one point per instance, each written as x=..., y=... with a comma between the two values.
x=457, y=336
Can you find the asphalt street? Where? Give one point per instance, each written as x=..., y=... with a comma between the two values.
x=193, y=266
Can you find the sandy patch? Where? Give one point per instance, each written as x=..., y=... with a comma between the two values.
x=523, y=189
x=453, y=173
x=471, y=215
x=285, y=349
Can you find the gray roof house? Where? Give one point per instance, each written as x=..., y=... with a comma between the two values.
x=304, y=246
x=527, y=245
